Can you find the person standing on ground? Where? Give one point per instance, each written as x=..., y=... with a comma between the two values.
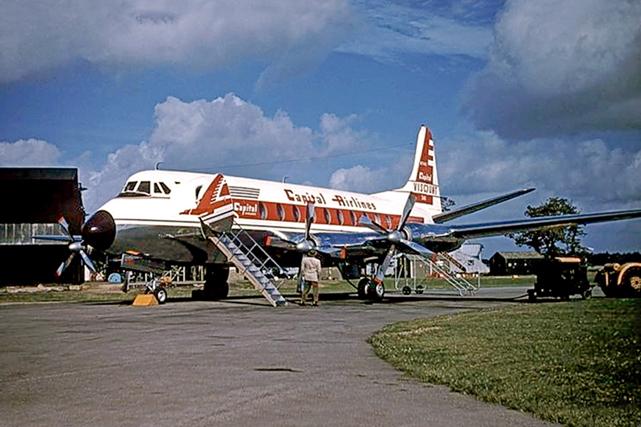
x=310, y=272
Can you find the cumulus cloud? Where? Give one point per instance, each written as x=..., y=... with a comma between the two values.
x=588, y=169
x=214, y=136
x=36, y=37
x=358, y=178
x=30, y=152
x=560, y=67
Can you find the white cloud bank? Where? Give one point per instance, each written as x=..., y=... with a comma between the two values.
x=587, y=170
x=561, y=67
x=37, y=37
x=213, y=135
x=29, y=152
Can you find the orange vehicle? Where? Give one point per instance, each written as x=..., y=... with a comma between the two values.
x=620, y=280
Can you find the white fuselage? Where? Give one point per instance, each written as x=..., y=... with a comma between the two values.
x=159, y=202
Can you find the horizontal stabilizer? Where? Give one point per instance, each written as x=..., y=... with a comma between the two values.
x=465, y=210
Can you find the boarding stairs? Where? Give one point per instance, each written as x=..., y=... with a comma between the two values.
x=252, y=262
x=243, y=251
x=460, y=284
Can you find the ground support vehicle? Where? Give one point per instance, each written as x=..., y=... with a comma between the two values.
x=620, y=280
x=561, y=277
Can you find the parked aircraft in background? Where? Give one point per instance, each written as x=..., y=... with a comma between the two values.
x=165, y=217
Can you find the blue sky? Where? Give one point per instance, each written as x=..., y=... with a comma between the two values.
x=332, y=93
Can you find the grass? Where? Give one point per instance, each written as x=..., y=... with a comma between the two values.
x=238, y=288
x=577, y=363
x=97, y=294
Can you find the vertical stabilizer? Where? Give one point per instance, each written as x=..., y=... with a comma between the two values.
x=423, y=181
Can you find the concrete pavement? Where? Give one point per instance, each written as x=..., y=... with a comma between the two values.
x=227, y=363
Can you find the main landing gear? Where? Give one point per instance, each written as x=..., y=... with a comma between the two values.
x=216, y=286
x=368, y=289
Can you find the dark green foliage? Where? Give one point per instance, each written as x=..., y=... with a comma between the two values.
x=554, y=241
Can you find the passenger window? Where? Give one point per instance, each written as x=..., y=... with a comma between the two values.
x=144, y=187
x=296, y=213
x=157, y=188
x=262, y=210
x=130, y=186
x=328, y=218
x=166, y=189
x=280, y=211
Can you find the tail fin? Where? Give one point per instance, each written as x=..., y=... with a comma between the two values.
x=423, y=181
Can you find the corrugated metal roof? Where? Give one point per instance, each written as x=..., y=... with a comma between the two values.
x=520, y=255
x=64, y=174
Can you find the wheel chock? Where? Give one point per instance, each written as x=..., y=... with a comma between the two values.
x=145, y=300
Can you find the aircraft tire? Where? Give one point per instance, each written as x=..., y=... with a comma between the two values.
x=363, y=284
x=216, y=286
x=161, y=294
x=407, y=290
x=378, y=291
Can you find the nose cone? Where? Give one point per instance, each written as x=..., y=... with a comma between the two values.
x=99, y=231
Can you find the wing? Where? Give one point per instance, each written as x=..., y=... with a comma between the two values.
x=504, y=227
x=465, y=210
x=426, y=238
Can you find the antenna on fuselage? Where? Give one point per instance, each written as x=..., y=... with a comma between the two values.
x=157, y=164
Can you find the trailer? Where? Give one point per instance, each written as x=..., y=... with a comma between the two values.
x=620, y=280
x=561, y=277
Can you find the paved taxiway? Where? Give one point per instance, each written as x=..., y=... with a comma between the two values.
x=223, y=364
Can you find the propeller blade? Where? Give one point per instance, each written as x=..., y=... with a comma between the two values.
x=364, y=220
x=311, y=216
x=406, y=211
x=65, y=225
x=52, y=238
x=380, y=274
x=65, y=264
x=87, y=261
x=419, y=249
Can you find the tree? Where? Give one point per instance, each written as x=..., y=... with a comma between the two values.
x=553, y=241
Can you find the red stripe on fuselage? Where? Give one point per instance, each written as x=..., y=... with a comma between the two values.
x=285, y=212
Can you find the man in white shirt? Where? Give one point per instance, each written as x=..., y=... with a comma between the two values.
x=310, y=273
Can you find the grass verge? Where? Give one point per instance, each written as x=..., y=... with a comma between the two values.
x=577, y=363
x=111, y=294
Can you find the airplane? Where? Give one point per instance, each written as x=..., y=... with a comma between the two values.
x=166, y=216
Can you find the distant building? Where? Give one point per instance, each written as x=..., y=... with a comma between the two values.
x=514, y=263
x=32, y=201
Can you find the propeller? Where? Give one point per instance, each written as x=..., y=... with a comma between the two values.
x=98, y=232
x=76, y=246
x=394, y=237
x=307, y=244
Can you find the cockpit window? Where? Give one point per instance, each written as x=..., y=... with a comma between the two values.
x=157, y=188
x=166, y=189
x=138, y=189
x=144, y=187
